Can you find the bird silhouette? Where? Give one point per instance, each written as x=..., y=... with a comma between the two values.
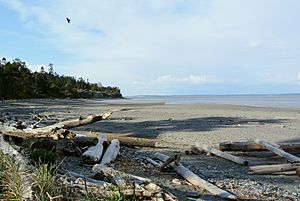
x=68, y=20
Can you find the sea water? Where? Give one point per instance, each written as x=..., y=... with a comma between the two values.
x=282, y=100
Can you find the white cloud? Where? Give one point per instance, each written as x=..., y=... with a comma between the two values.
x=191, y=79
x=298, y=76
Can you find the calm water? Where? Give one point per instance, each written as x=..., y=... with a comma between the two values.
x=286, y=101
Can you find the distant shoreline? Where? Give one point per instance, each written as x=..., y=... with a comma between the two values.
x=270, y=100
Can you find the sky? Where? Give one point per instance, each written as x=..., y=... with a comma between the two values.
x=160, y=47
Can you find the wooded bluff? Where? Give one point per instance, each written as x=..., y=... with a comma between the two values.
x=19, y=82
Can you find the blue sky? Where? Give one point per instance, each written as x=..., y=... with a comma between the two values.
x=160, y=46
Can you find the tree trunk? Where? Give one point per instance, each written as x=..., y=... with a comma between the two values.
x=274, y=148
x=94, y=153
x=111, y=152
x=224, y=155
x=108, y=171
x=87, y=138
x=196, y=180
x=269, y=169
x=251, y=145
x=55, y=131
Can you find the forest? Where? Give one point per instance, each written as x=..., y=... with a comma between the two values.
x=17, y=81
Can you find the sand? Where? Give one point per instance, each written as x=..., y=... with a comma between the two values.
x=182, y=125
x=202, y=123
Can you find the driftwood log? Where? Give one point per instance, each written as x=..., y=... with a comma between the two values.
x=22, y=162
x=276, y=150
x=90, y=138
x=108, y=171
x=55, y=131
x=74, y=175
x=111, y=152
x=224, y=155
x=251, y=145
x=270, y=169
x=94, y=153
x=196, y=180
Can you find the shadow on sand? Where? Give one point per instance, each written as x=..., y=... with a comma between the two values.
x=151, y=129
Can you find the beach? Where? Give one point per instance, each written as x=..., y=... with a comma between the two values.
x=178, y=126
x=209, y=124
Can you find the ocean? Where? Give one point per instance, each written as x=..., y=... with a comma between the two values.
x=283, y=101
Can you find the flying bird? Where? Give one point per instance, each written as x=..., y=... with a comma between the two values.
x=68, y=20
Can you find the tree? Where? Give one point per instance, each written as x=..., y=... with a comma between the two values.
x=17, y=81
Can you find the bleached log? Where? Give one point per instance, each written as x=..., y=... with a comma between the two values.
x=274, y=148
x=111, y=152
x=153, y=162
x=224, y=155
x=22, y=162
x=108, y=171
x=269, y=169
x=251, y=145
x=94, y=153
x=284, y=173
x=196, y=180
x=55, y=131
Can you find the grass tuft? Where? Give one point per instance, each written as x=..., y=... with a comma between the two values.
x=10, y=179
x=45, y=183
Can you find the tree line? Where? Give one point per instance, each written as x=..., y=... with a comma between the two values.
x=19, y=82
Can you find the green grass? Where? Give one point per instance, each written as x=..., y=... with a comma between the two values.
x=10, y=179
x=44, y=185
x=45, y=182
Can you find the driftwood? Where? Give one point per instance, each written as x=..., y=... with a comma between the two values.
x=175, y=158
x=88, y=138
x=194, y=150
x=251, y=145
x=111, y=152
x=224, y=155
x=22, y=162
x=196, y=180
x=298, y=171
x=55, y=131
x=153, y=162
x=134, y=185
x=108, y=171
x=275, y=149
x=270, y=169
x=94, y=153
x=73, y=176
